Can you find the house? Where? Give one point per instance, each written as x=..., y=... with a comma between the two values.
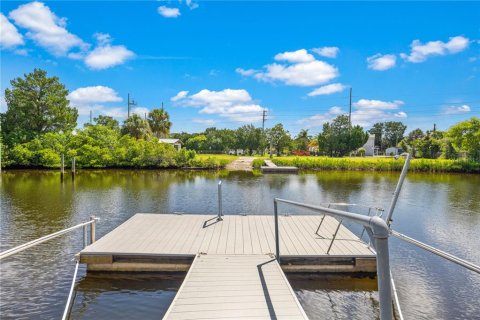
x=369, y=146
x=393, y=151
x=177, y=143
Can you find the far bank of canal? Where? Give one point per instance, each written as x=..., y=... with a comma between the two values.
x=439, y=209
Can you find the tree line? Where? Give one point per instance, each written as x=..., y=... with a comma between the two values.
x=40, y=124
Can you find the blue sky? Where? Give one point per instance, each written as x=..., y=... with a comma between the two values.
x=222, y=63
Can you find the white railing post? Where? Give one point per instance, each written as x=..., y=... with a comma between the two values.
x=92, y=229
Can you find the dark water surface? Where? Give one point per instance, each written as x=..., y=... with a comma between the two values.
x=440, y=209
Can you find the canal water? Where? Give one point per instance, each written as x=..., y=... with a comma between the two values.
x=440, y=209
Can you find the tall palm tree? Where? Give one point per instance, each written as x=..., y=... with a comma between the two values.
x=136, y=127
x=159, y=121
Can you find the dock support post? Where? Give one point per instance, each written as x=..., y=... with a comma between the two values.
x=73, y=168
x=62, y=167
x=277, y=237
x=92, y=229
x=381, y=234
x=220, y=209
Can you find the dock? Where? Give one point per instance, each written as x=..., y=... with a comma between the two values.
x=170, y=242
x=235, y=287
x=271, y=167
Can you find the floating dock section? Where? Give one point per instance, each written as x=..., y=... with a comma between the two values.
x=271, y=167
x=235, y=287
x=170, y=242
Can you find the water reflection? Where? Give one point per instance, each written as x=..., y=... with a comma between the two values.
x=440, y=209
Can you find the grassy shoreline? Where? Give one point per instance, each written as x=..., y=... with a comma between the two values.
x=374, y=164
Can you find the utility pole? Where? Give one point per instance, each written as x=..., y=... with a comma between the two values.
x=434, y=127
x=90, y=116
x=350, y=112
x=264, y=114
x=130, y=103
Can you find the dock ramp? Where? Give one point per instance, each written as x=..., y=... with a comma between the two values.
x=235, y=287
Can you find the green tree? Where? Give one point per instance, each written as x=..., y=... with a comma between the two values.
x=36, y=104
x=338, y=139
x=278, y=138
x=107, y=121
x=136, y=127
x=248, y=138
x=394, y=131
x=415, y=135
x=378, y=130
x=159, y=121
x=196, y=143
x=302, y=140
x=465, y=137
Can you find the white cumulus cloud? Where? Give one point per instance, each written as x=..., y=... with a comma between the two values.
x=420, y=52
x=168, y=12
x=9, y=35
x=299, y=68
x=234, y=104
x=456, y=109
x=94, y=94
x=295, y=56
x=381, y=62
x=328, y=89
x=378, y=104
x=106, y=55
x=366, y=113
x=329, y=52
x=179, y=96
x=46, y=29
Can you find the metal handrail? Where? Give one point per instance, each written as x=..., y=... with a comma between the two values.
x=380, y=232
x=68, y=306
x=438, y=252
x=35, y=242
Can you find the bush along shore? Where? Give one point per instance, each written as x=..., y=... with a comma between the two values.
x=374, y=164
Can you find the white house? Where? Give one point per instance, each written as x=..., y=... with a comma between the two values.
x=177, y=143
x=369, y=146
x=393, y=151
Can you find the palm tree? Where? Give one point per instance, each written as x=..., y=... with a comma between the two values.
x=159, y=121
x=136, y=127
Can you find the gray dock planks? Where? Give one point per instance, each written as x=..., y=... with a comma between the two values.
x=235, y=287
x=164, y=234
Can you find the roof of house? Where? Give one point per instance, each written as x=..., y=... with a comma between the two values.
x=170, y=141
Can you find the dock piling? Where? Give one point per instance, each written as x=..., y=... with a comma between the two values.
x=62, y=167
x=73, y=168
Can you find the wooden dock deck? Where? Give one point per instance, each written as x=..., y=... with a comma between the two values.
x=271, y=167
x=235, y=287
x=170, y=242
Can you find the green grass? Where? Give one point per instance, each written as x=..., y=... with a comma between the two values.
x=212, y=161
x=374, y=164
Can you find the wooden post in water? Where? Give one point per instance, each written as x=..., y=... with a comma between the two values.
x=73, y=168
x=62, y=167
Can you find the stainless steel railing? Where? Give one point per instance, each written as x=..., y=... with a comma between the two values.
x=378, y=212
x=20, y=248
x=379, y=230
x=35, y=242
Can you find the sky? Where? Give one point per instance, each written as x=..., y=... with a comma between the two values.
x=215, y=63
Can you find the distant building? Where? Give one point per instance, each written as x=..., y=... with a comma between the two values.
x=177, y=143
x=369, y=146
x=393, y=151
